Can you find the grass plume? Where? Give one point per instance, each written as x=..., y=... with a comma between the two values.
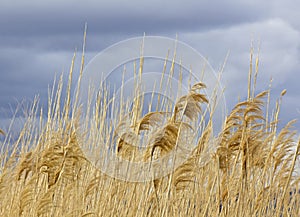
x=249, y=169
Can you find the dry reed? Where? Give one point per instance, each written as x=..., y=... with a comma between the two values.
x=251, y=172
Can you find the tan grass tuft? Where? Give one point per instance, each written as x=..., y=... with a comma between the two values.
x=250, y=169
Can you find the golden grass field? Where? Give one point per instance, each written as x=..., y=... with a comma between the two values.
x=252, y=170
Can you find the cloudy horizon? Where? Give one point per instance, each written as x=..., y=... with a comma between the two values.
x=38, y=39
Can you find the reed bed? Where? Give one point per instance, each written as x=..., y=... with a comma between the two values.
x=249, y=169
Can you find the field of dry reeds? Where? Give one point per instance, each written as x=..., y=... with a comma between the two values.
x=250, y=171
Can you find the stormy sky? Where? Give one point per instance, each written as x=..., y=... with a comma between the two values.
x=38, y=39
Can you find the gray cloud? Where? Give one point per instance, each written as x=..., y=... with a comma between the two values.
x=279, y=59
x=56, y=17
x=37, y=40
x=57, y=25
x=25, y=73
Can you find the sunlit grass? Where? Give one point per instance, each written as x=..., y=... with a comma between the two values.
x=250, y=171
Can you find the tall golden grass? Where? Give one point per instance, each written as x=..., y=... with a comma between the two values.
x=250, y=172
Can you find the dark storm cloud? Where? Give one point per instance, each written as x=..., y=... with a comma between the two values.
x=66, y=17
x=58, y=25
x=22, y=80
x=37, y=39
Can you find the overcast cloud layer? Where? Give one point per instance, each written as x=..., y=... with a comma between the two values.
x=38, y=38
